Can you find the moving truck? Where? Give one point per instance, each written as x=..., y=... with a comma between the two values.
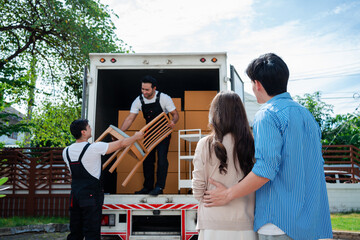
x=192, y=80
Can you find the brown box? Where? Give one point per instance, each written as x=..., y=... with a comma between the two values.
x=171, y=186
x=197, y=120
x=174, y=162
x=181, y=123
x=174, y=147
x=127, y=164
x=177, y=103
x=137, y=181
x=198, y=100
x=138, y=123
x=135, y=184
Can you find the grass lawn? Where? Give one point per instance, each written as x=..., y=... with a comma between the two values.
x=340, y=221
x=346, y=221
x=23, y=221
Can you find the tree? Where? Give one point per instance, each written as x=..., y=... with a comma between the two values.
x=342, y=129
x=50, y=124
x=319, y=109
x=49, y=41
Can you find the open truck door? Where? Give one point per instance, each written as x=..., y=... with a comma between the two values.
x=84, y=95
x=237, y=85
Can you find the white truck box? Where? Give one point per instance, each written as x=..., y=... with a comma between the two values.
x=112, y=85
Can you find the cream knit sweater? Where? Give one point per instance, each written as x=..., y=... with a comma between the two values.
x=236, y=215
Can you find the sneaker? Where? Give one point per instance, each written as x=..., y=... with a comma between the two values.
x=156, y=191
x=143, y=191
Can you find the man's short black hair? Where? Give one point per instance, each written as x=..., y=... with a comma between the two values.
x=149, y=79
x=271, y=71
x=77, y=126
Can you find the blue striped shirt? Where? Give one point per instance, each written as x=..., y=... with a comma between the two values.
x=288, y=153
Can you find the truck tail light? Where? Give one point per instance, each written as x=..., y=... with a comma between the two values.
x=214, y=59
x=113, y=60
x=202, y=60
x=102, y=60
x=108, y=220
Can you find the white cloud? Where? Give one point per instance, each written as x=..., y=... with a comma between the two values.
x=144, y=23
x=310, y=47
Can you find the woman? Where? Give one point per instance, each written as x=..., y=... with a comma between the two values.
x=227, y=156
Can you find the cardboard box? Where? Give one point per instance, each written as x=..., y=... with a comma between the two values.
x=136, y=183
x=174, y=147
x=197, y=120
x=177, y=103
x=181, y=123
x=198, y=100
x=138, y=123
x=127, y=164
x=173, y=159
x=171, y=186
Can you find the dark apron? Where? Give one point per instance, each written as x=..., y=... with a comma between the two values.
x=151, y=110
x=84, y=186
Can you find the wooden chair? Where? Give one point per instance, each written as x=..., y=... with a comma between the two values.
x=154, y=132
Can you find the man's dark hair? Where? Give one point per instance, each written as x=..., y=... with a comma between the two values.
x=271, y=71
x=149, y=79
x=77, y=126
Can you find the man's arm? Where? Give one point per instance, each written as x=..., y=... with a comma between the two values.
x=128, y=121
x=122, y=143
x=175, y=118
x=222, y=195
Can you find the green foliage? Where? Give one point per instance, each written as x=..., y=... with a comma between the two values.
x=12, y=84
x=343, y=129
x=2, y=181
x=50, y=40
x=319, y=109
x=51, y=124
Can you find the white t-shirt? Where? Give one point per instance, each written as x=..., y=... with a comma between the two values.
x=270, y=229
x=91, y=159
x=166, y=103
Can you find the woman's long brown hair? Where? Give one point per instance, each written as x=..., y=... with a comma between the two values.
x=227, y=115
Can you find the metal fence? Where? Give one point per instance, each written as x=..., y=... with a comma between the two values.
x=39, y=179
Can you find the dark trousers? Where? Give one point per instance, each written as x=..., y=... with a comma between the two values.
x=162, y=165
x=85, y=217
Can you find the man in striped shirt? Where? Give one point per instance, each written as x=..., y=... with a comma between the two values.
x=288, y=176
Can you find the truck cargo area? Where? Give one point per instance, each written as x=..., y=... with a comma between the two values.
x=117, y=89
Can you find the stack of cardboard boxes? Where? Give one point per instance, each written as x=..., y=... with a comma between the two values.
x=194, y=116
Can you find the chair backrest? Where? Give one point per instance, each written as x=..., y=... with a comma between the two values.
x=155, y=131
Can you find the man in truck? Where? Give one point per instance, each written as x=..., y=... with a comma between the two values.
x=87, y=195
x=152, y=103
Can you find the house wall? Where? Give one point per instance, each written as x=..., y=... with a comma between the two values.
x=343, y=197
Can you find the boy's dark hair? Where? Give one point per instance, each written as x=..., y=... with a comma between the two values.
x=77, y=126
x=271, y=71
x=149, y=79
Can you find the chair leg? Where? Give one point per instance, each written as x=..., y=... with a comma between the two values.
x=131, y=174
x=111, y=158
x=119, y=159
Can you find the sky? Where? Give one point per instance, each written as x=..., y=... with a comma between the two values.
x=319, y=40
